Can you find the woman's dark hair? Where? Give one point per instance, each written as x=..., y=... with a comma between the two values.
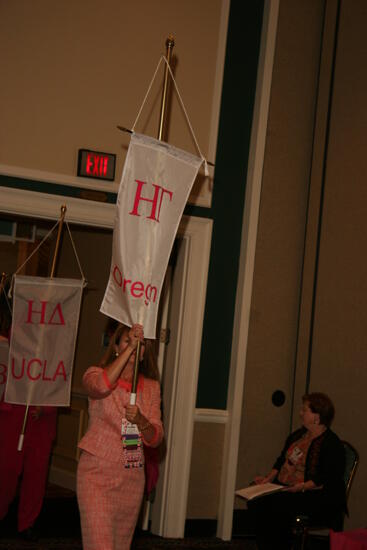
x=148, y=366
x=321, y=404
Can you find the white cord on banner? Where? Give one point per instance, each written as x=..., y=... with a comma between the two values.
x=182, y=105
x=29, y=257
x=187, y=117
x=6, y=298
x=146, y=95
x=35, y=250
x=76, y=255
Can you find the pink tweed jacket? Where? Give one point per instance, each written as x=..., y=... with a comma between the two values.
x=107, y=409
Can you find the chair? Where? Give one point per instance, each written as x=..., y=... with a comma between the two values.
x=302, y=525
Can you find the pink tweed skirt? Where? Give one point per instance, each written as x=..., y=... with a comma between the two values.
x=109, y=498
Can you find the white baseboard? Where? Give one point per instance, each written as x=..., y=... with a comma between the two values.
x=63, y=478
x=213, y=416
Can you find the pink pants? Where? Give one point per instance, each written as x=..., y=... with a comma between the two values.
x=32, y=461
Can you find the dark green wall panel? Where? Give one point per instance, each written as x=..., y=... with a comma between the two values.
x=240, y=71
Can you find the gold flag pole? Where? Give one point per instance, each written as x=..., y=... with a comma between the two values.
x=56, y=252
x=162, y=119
x=58, y=239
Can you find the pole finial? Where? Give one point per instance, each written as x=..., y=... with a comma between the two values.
x=170, y=42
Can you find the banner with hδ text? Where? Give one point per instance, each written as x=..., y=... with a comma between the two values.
x=156, y=182
x=43, y=337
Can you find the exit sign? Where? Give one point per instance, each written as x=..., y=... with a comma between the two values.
x=94, y=164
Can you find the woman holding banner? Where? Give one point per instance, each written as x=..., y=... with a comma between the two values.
x=111, y=478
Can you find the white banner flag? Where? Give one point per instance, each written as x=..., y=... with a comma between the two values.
x=42, y=344
x=156, y=182
x=4, y=354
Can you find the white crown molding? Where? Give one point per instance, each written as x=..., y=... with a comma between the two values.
x=47, y=206
x=58, y=179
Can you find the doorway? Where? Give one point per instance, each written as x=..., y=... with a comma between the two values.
x=196, y=233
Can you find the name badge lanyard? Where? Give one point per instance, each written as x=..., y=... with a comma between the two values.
x=132, y=443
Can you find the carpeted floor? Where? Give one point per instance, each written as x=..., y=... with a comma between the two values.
x=144, y=543
x=59, y=529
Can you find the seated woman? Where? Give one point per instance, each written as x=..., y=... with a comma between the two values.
x=311, y=467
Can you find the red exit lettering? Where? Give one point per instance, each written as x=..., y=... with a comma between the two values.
x=96, y=165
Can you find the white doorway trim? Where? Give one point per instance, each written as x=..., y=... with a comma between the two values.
x=188, y=301
x=246, y=269
x=197, y=234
